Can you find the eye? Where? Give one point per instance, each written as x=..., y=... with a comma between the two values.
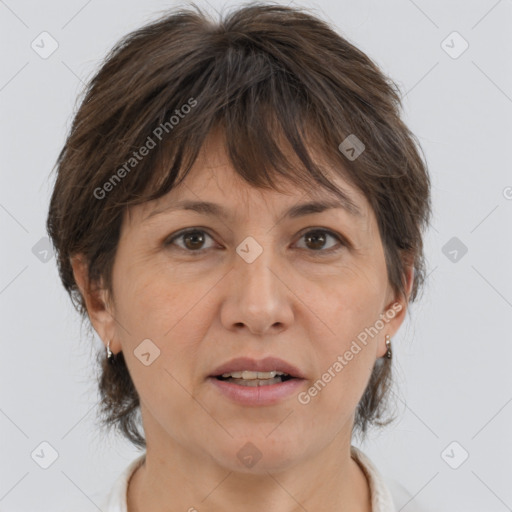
x=193, y=240
x=317, y=238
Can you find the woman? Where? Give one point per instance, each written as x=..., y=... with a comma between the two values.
x=238, y=211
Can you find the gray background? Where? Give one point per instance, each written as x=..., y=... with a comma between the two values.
x=452, y=356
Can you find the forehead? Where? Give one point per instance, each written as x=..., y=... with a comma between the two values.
x=213, y=187
x=221, y=195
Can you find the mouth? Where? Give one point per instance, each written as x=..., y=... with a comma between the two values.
x=254, y=379
x=257, y=382
x=257, y=372
x=252, y=389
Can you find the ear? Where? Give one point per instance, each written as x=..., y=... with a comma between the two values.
x=97, y=302
x=395, y=310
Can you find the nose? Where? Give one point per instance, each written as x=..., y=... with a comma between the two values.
x=258, y=295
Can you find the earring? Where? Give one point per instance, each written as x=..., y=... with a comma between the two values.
x=110, y=354
x=388, y=345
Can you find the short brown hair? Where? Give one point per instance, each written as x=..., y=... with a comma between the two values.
x=260, y=72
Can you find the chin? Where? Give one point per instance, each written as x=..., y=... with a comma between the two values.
x=259, y=454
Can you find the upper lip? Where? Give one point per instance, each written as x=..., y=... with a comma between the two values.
x=258, y=365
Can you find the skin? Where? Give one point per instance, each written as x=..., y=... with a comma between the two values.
x=203, y=310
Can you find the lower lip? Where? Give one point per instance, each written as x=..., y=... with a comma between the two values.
x=258, y=395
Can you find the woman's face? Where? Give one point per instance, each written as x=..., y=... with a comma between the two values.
x=254, y=284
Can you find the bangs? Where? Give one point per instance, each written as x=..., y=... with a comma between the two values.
x=273, y=130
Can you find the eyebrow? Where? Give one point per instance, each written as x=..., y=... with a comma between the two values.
x=208, y=208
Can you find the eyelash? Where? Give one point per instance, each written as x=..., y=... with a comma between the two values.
x=319, y=252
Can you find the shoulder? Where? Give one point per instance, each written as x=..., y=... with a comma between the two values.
x=114, y=498
x=388, y=495
x=401, y=496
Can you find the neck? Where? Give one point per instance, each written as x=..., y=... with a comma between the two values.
x=187, y=481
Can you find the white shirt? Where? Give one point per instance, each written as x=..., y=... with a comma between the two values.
x=386, y=494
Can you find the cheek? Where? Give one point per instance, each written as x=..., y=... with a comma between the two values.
x=346, y=344
x=342, y=377
x=152, y=306
x=350, y=306
x=148, y=298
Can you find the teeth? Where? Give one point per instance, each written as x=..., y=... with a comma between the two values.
x=256, y=382
x=248, y=375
